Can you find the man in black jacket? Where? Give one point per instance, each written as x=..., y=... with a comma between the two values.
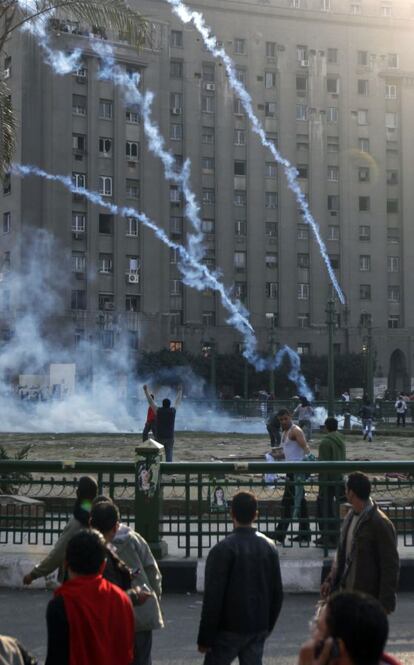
x=243, y=591
x=165, y=421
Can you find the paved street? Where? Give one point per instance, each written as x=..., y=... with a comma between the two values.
x=22, y=614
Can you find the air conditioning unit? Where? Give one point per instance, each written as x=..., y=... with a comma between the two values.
x=211, y=87
x=133, y=278
x=304, y=63
x=176, y=110
x=6, y=73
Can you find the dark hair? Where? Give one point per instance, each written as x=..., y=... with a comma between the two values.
x=361, y=622
x=360, y=484
x=104, y=516
x=86, y=552
x=283, y=412
x=331, y=424
x=101, y=498
x=304, y=401
x=166, y=403
x=244, y=507
x=87, y=488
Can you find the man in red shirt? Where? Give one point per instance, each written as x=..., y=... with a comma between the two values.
x=150, y=425
x=89, y=621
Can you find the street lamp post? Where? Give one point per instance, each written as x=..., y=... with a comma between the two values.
x=330, y=322
x=271, y=371
x=370, y=369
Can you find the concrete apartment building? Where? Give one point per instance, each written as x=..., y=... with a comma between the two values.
x=333, y=84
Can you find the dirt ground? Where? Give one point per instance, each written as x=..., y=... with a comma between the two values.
x=191, y=446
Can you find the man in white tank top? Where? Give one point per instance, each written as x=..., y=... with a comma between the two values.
x=295, y=447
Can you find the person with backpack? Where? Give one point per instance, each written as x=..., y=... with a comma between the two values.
x=401, y=410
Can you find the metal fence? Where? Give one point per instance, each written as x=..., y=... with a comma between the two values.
x=193, y=500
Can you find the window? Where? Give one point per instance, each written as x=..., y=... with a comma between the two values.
x=207, y=226
x=270, y=170
x=79, y=180
x=270, y=49
x=272, y=319
x=363, y=87
x=176, y=39
x=78, y=223
x=207, y=164
x=332, y=56
x=105, y=263
x=132, y=303
x=105, y=109
x=239, y=46
x=270, y=79
x=176, y=131
x=365, y=291
x=6, y=222
x=207, y=136
x=208, y=72
x=332, y=114
x=240, y=198
x=271, y=260
x=392, y=177
x=78, y=300
x=240, y=291
x=106, y=224
x=365, y=320
x=105, y=146
x=325, y=5
x=239, y=168
x=241, y=74
x=208, y=196
x=240, y=260
x=363, y=174
x=131, y=116
x=175, y=194
x=174, y=255
x=176, y=347
x=332, y=85
x=106, y=301
x=237, y=106
x=333, y=232
x=364, y=203
x=302, y=53
x=176, y=69
x=393, y=321
x=303, y=320
x=392, y=206
x=240, y=228
x=176, y=103
x=271, y=229
x=391, y=121
x=390, y=91
x=333, y=202
x=302, y=171
x=364, y=263
x=207, y=103
x=301, y=83
x=393, y=235
x=362, y=58
x=386, y=9
x=271, y=290
x=393, y=263
x=132, y=189
x=79, y=143
x=272, y=138
x=303, y=291
x=356, y=9
x=302, y=143
x=132, y=227
x=79, y=105
x=239, y=137
x=303, y=232
x=303, y=348
x=105, y=185
x=176, y=226
x=364, y=233
x=333, y=173
x=132, y=151
x=270, y=109
x=303, y=260
x=176, y=320
x=362, y=117
x=301, y=112
x=394, y=293
x=363, y=145
x=208, y=319
x=271, y=200
x=335, y=260
x=392, y=60
x=176, y=287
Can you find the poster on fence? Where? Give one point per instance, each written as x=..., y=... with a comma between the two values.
x=218, y=501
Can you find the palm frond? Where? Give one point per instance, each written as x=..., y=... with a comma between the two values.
x=7, y=129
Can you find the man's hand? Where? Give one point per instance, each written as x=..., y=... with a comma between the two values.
x=326, y=587
x=307, y=653
x=27, y=579
x=203, y=649
x=145, y=388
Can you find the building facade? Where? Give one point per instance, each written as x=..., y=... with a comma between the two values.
x=332, y=82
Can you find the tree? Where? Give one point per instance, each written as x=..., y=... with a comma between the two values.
x=113, y=15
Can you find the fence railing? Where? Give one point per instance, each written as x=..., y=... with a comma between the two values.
x=298, y=502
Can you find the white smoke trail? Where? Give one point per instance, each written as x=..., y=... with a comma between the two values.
x=186, y=15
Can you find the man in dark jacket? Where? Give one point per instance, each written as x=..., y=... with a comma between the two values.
x=367, y=556
x=331, y=490
x=165, y=421
x=243, y=591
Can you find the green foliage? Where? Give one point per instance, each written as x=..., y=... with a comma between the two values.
x=9, y=483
